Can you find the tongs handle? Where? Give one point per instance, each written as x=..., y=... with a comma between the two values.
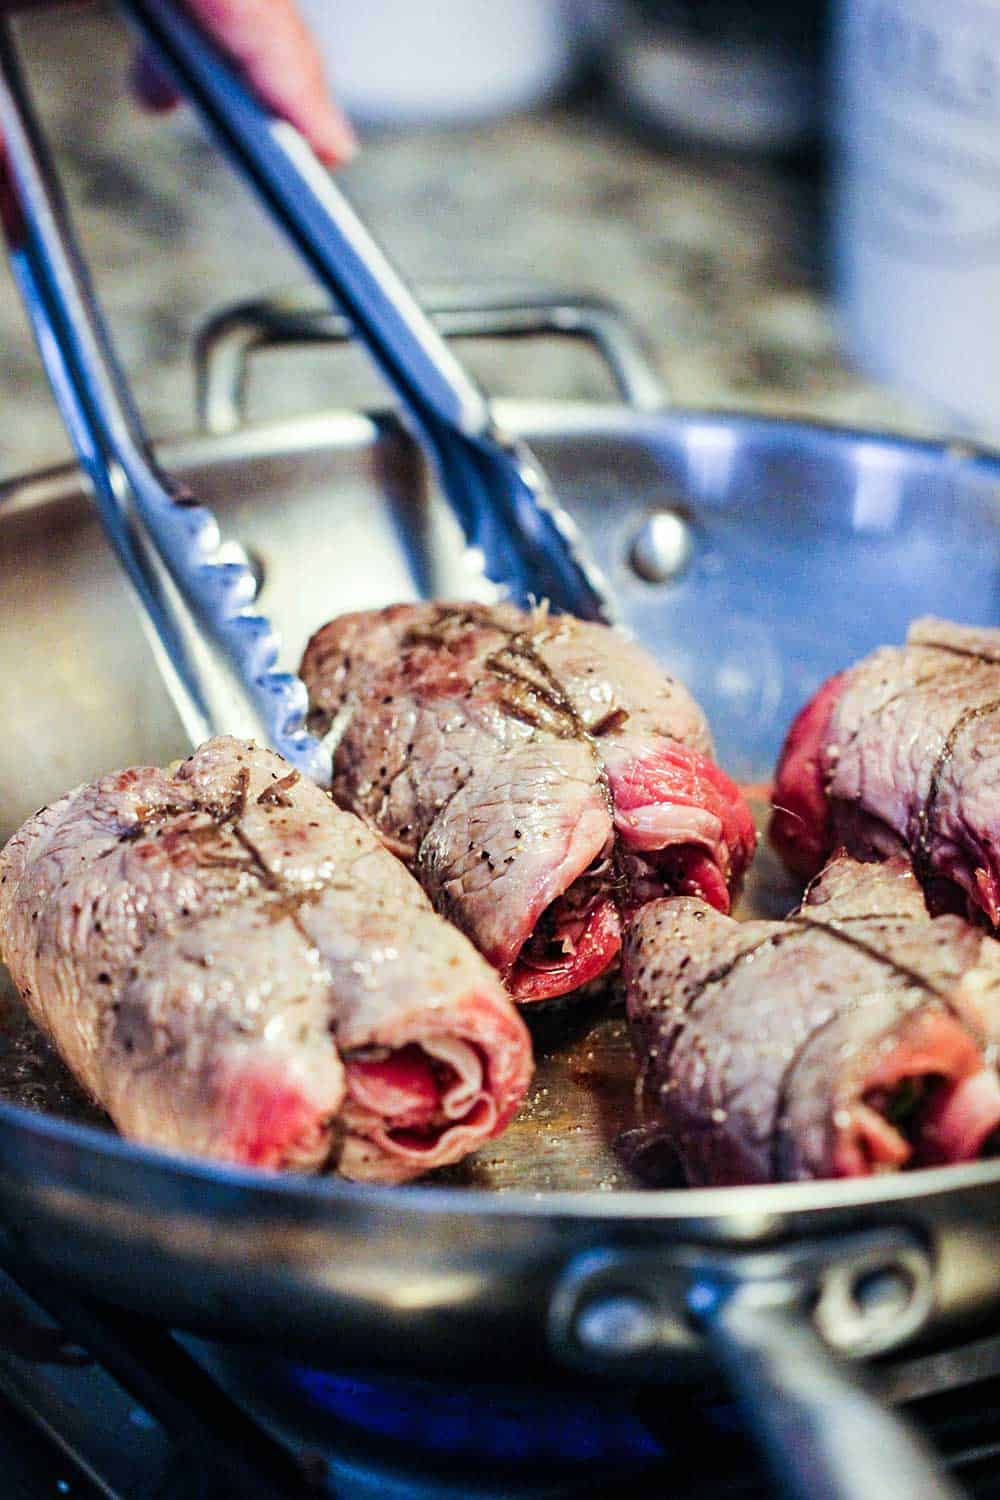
x=494, y=484
x=216, y=656
x=313, y=212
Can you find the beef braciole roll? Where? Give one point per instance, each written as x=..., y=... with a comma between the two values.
x=900, y=752
x=858, y=1036
x=542, y=777
x=234, y=967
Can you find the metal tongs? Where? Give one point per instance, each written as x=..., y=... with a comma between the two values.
x=217, y=654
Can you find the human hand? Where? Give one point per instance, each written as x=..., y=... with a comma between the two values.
x=271, y=45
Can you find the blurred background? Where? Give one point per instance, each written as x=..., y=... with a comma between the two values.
x=671, y=155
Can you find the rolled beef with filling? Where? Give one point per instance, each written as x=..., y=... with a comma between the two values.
x=542, y=777
x=858, y=1036
x=234, y=967
x=901, y=753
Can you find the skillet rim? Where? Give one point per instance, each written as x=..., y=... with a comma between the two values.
x=748, y=1207
x=342, y=427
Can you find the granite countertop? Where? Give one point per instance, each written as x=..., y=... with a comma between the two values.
x=717, y=259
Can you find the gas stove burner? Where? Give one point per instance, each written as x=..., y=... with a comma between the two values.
x=517, y=1428
x=403, y=1437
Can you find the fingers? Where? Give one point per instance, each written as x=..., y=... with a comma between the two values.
x=269, y=42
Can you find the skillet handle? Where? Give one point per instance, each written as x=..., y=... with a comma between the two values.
x=824, y=1436
x=759, y=1312
x=228, y=341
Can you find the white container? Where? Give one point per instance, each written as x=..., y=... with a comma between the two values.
x=443, y=61
x=916, y=208
x=733, y=91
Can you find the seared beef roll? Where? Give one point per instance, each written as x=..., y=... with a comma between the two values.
x=858, y=1036
x=900, y=753
x=235, y=968
x=542, y=777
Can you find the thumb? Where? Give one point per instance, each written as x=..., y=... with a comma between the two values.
x=269, y=43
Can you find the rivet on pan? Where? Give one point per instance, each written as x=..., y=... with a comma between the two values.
x=617, y=1324
x=662, y=548
x=871, y=1305
x=884, y=1291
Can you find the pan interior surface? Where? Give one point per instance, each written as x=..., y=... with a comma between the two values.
x=790, y=535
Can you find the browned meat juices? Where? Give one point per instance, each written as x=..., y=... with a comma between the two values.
x=541, y=776
x=858, y=1036
x=235, y=968
x=901, y=752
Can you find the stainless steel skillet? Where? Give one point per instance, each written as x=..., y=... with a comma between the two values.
x=795, y=532
x=484, y=1276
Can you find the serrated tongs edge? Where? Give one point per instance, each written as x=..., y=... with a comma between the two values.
x=216, y=652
